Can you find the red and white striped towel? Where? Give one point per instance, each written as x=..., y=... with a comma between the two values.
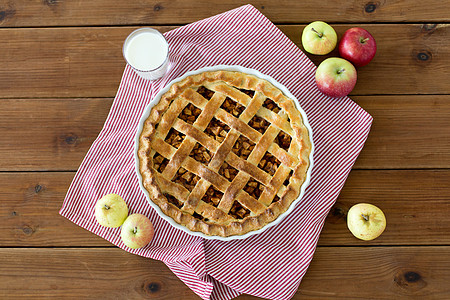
x=271, y=264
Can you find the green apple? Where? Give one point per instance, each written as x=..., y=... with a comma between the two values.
x=111, y=211
x=336, y=77
x=366, y=221
x=319, y=38
x=137, y=231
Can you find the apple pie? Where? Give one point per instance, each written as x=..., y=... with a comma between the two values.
x=224, y=153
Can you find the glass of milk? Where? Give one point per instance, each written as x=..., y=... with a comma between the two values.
x=147, y=52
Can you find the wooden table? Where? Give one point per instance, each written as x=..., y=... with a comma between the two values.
x=60, y=66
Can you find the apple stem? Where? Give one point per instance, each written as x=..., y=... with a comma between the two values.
x=341, y=71
x=107, y=207
x=366, y=217
x=135, y=230
x=318, y=33
x=363, y=41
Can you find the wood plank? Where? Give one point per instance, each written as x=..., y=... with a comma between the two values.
x=335, y=272
x=378, y=272
x=29, y=210
x=415, y=202
x=399, y=137
x=27, y=13
x=87, y=62
x=55, y=134
x=107, y=273
x=407, y=132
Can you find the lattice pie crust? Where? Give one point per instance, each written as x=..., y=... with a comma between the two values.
x=224, y=153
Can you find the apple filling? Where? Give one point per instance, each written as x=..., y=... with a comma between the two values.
x=212, y=196
x=217, y=130
x=174, y=138
x=159, y=162
x=201, y=154
x=173, y=200
x=254, y=188
x=199, y=217
x=228, y=171
x=283, y=140
x=190, y=113
x=269, y=104
x=207, y=94
x=269, y=163
x=259, y=124
x=237, y=211
x=249, y=93
x=232, y=107
x=286, y=181
x=243, y=147
x=186, y=178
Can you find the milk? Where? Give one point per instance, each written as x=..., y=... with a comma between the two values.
x=146, y=51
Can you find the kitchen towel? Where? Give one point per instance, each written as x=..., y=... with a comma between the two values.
x=271, y=264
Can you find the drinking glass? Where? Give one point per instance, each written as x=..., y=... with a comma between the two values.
x=146, y=51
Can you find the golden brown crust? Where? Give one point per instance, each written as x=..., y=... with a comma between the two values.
x=163, y=116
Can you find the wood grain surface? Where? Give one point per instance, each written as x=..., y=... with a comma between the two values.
x=397, y=139
x=60, y=66
x=56, y=62
x=26, y=13
x=94, y=273
x=414, y=209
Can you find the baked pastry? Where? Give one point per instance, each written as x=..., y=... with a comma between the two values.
x=224, y=153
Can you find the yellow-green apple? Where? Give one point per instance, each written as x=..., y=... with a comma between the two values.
x=137, y=231
x=358, y=46
x=319, y=38
x=336, y=77
x=111, y=210
x=366, y=221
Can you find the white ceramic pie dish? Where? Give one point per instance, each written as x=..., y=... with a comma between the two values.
x=156, y=99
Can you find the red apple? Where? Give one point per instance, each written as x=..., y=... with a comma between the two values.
x=358, y=46
x=336, y=77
